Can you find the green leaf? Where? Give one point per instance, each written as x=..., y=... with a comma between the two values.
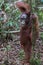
x=8, y=47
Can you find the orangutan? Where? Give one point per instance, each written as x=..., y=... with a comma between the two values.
x=26, y=19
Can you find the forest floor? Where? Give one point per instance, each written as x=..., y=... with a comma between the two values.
x=11, y=51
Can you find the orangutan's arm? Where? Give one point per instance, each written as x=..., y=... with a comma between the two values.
x=36, y=25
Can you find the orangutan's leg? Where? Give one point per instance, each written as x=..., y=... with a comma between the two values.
x=28, y=50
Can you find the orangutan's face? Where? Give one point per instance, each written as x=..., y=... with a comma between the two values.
x=23, y=19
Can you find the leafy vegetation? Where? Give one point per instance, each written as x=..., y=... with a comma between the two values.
x=35, y=61
x=21, y=54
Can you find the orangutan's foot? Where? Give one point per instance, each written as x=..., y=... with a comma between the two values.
x=25, y=62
